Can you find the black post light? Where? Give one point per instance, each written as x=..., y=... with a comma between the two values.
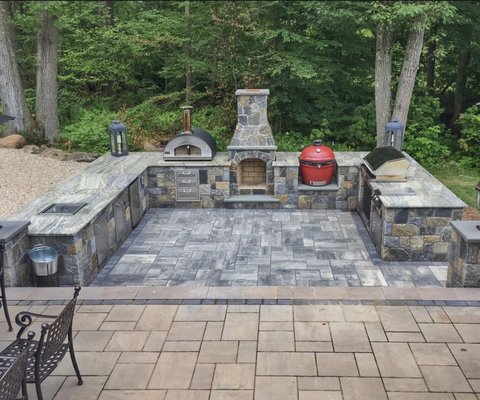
x=394, y=132
x=118, y=139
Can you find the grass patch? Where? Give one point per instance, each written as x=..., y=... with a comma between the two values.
x=462, y=183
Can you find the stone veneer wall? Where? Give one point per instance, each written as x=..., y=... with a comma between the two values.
x=78, y=258
x=344, y=198
x=463, y=261
x=416, y=234
x=16, y=263
x=214, y=184
x=286, y=185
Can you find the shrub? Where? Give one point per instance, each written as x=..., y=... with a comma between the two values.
x=89, y=133
x=425, y=137
x=470, y=139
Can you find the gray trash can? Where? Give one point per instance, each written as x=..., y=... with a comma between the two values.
x=44, y=260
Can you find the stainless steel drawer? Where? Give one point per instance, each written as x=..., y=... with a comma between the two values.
x=187, y=185
x=186, y=173
x=188, y=195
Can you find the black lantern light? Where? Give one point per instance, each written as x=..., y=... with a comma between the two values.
x=393, y=136
x=118, y=139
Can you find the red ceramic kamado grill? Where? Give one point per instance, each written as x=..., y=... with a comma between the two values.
x=317, y=164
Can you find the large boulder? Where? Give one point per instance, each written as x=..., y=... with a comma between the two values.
x=13, y=142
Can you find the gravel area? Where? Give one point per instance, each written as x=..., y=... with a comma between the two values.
x=24, y=177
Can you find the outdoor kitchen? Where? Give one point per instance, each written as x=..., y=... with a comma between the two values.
x=405, y=209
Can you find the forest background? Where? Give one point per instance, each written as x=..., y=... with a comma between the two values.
x=139, y=61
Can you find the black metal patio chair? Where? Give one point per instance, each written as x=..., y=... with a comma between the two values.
x=48, y=351
x=3, y=294
x=12, y=373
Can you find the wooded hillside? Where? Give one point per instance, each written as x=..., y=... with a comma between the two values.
x=140, y=60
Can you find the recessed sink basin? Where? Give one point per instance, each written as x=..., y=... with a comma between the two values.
x=397, y=191
x=63, y=208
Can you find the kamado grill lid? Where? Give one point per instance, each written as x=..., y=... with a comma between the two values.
x=317, y=153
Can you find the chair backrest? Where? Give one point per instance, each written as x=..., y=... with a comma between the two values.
x=58, y=330
x=11, y=380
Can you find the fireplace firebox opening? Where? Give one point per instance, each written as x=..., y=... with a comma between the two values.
x=253, y=172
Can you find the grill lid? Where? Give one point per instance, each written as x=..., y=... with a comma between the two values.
x=387, y=163
x=376, y=158
x=317, y=153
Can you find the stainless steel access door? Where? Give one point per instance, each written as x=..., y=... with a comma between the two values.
x=135, y=204
x=119, y=215
x=100, y=227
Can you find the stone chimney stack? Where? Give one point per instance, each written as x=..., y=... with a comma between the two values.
x=253, y=132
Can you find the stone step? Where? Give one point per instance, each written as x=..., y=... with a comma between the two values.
x=252, y=198
x=332, y=187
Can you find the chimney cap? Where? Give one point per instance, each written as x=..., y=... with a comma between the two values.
x=252, y=92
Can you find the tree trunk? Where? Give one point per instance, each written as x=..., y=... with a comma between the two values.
x=12, y=95
x=188, y=54
x=460, y=83
x=461, y=79
x=406, y=82
x=47, y=71
x=383, y=76
x=432, y=47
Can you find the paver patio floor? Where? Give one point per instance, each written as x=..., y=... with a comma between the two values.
x=336, y=350
x=225, y=247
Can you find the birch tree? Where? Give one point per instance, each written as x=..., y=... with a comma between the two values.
x=419, y=15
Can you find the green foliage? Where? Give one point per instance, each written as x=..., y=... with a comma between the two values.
x=293, y=141
x=317, y=59
x=89, y=133
x=470, y=139
x=424, y=133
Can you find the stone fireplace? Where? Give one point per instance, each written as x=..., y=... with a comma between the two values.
x=252, y=149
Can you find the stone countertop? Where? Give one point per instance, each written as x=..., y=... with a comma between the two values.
x=343, y=159
x=428, y=191
x=98, y=186
x=104, y=179
x=469, y=230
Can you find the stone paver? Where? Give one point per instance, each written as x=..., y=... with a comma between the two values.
x=440, y=333
x=363, y=389
x=349, y=337
x=395, y=360
x=271, y=387
x=234, y=247
x=256, y=351
x=286, y=364
x=432, y=354
x=276, y=341
x=234, y=377
x=445, y=379
x=336, y=364
x=173, y=371
x=130, y=376
x=218, y=352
